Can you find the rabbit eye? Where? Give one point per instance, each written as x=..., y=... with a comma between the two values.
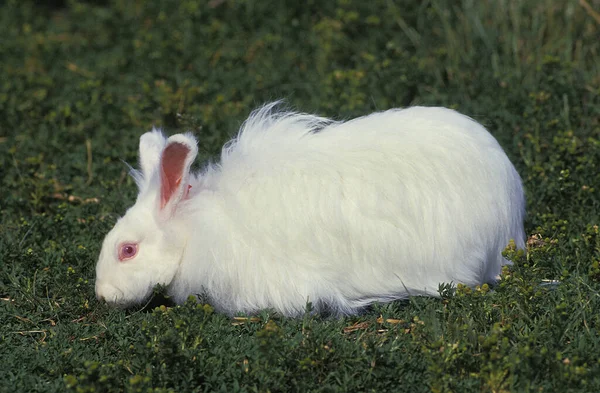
x=127, y=251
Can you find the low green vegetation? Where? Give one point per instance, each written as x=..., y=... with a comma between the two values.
x=82, y=80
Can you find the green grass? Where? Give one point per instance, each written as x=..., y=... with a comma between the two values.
x=81, y=81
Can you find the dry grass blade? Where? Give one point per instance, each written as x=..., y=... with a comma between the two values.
x=243, y=320
x=356, y=326
x=588, y=8
x=29, y=332
x=89, y=338
x=23, y=319
x=88, y=146
x=391, y=321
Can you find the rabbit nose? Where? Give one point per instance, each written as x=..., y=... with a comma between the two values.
x=106, y=292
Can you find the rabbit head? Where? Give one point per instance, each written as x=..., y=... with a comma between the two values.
x=146, y=245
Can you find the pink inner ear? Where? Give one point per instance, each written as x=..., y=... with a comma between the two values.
x=172, y=166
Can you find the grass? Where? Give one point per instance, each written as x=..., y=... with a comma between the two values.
x=82, y=80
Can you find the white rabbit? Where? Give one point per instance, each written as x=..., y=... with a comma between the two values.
x=301, y=208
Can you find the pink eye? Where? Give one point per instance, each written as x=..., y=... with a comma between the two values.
x=127, y=251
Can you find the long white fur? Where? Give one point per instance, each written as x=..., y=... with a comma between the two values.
x=342, y=214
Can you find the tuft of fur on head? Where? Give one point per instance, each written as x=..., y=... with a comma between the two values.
x=272, y=125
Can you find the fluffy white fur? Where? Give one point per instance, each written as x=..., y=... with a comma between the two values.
x=342, y=214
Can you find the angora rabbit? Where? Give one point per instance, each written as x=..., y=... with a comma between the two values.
x=302, y=208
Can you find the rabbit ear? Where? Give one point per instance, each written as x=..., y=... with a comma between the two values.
x=175, y=161
x=151, y=146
